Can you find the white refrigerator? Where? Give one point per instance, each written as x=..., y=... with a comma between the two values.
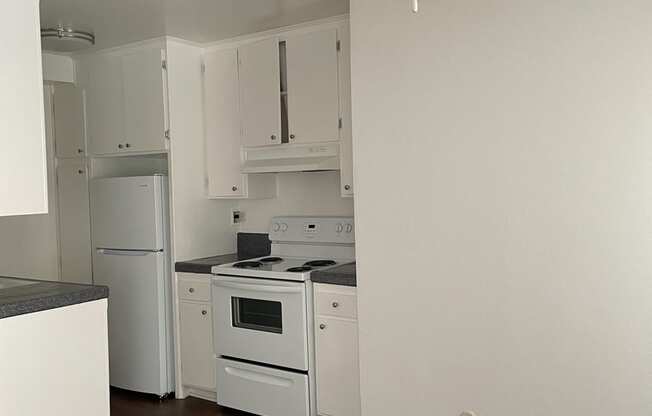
x=130, y=234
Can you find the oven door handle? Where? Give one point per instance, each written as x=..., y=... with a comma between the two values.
x=259, y=377
x=258, y=288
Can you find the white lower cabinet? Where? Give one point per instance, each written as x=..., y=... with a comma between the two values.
x=196, y=336
x=336, y=347
x=74, y=221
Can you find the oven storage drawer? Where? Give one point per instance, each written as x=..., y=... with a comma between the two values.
x=261, y=390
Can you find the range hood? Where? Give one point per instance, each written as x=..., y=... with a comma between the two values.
x=291, y=157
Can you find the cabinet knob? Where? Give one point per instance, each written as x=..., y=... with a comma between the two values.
x=234, y=188
x=292, y=136
x=273, y=137
x=80, y=151
x=322, y=326
x=347, y=187
x=120, y=146
x=191, y=290
x=127, y=145
x=335, y=304
x=80, y=171
x=204, y=312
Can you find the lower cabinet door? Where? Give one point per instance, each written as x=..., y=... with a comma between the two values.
x=338, y=385
x=197, y=358
x=74, y=222
x=262, y=390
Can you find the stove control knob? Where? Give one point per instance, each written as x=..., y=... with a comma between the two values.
x=276, y=226
x=349, y=228
x=284, y=227
x=339, y=228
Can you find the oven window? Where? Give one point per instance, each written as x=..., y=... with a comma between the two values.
x=257, y=314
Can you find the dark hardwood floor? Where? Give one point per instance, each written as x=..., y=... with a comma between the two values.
x=125, y=403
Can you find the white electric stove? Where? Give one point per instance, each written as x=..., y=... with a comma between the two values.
x=263, y=317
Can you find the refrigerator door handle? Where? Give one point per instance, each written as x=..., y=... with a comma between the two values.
x=114, y=252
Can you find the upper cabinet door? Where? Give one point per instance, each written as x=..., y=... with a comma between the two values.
x=260, y=93
x=104, y=105
x=144, y=101
x=313, y=99
x=23, y=187
x=68, y=121
x=222, y=124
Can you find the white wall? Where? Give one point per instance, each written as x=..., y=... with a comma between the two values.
x=304, y=193
x=58, y=68
x=28, y=243
x=503, y=156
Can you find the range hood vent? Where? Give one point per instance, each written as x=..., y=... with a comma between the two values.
x=291, y=158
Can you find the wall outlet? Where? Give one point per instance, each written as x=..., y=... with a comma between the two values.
x=237, y=216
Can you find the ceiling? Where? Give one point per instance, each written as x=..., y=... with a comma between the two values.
x=117, y=22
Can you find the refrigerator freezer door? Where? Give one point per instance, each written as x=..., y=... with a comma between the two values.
x=128, y=213
x=139, y=350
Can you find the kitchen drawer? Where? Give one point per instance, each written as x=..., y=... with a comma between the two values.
x=332, y=300
x=194, y=288
x=261, y=390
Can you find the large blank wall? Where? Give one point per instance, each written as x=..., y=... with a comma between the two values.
x=503, y=156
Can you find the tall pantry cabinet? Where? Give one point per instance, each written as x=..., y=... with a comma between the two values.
x=72, y=184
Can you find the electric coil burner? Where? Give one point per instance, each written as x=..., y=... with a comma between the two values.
x=267, y=260
x=263, y=317
x=299, y=269
x=320, y=263
x=248, y=264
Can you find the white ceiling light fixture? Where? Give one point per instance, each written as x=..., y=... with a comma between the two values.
x=66, y=39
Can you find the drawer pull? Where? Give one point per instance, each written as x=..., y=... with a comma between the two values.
x=204, y=312
x=335, y=304
x=191, y=290
x=322, y=326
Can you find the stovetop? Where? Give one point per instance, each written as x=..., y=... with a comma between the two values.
x=277, y=267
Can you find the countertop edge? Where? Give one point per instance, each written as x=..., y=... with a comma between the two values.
x=340, y=275
x=53, y=301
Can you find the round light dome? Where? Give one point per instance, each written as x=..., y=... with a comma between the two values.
x=65, y=39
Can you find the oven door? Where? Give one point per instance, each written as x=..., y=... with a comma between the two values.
x=261, y=320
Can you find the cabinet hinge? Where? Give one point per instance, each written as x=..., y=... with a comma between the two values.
x=338, y=46
x=339, y=123
x=164, y=64
x=167, y=134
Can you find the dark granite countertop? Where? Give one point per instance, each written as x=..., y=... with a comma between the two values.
x=343, y=275
x=22, y=296
x=250, y=245
x=204, y=264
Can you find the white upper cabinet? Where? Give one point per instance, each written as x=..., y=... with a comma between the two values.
x=23, y=166
x=126, y=104
x=222, y=124
x=222, y=132
x=68, y=121
x=144, y=101
x=346, y=146
x=104, y=104
x=312, y=87
x=260, y=90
